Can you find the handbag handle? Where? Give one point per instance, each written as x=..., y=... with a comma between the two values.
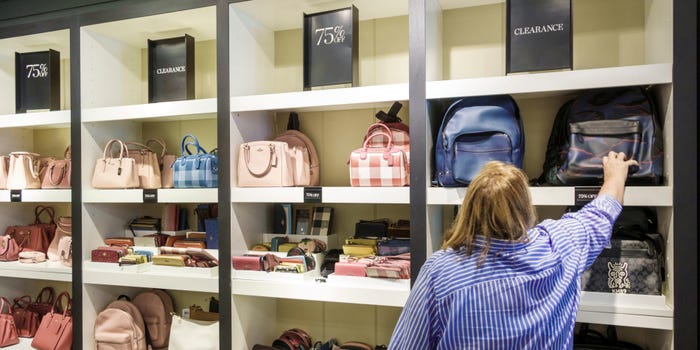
x=139, y=147
x=26, y=156
x=246, y=154
x=22, y=302
x=57, y=302
x=184, y=144
x=50, y=299
x=61, y=175
x=4, y=302
x=67, y=153
x=65, y=223
x=161, y=143
x=40, y=209
x=389, y=146
x=108, y=147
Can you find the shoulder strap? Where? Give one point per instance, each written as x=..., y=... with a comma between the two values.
x=293, y=121
x=391, y=116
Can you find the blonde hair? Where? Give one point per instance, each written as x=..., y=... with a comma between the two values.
x=497, y=205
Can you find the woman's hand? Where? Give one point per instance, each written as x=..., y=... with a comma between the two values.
x=615, y=169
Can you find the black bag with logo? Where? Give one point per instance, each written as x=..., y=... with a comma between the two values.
x=633, y=264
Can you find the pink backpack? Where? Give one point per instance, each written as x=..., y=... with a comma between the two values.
x=120, y=326
x=303, y=152
x=156, y=307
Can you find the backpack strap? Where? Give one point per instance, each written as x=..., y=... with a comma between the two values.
x=391, y=116
x=293, y=121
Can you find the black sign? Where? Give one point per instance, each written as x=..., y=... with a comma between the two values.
x=150, y=196
x=171, y=69
x=583, y=195
x=15, y=195
x=539, y=35
x=37, y=81
x=312, y=195
x=331, y=48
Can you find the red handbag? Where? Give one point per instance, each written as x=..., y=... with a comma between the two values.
x=55, y=331
x=39, y=234
x=26, y=320
x=8, y=331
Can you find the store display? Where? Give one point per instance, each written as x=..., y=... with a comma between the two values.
x=55, y=331
x=23, y=172
x=171, y=69
x=157, y=307
x=265, y=164
x=120, y=325
x=195, y=170
x=331, y=43
x=193, y=335
x=8, y=330
x=26, y=320
x=302, y=152
x=540, y=35
x=147, y=165
x=165, y=162
x=57, y=173
x=597, y=122
x=114, y=173
x=37, y=81
x=474, y=131
x=385, y=166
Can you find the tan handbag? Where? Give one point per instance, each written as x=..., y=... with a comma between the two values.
x=166, y=162
x=147, y=166
x=4, y=168
x=113, y=173
x=63, y=229
x=23, y=172
x=265, y=164
x=57, y=172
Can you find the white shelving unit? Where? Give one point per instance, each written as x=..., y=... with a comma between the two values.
x=49, y=270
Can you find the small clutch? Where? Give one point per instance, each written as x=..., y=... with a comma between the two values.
x=120, y=241
x=109, y=254
x=169, y=260
x=186, y=243
x=358, y=250
x=132, y=259
x=247, y=262
x=31, y=257
x=351, y=269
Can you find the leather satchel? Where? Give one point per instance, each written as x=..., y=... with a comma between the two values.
x=39, y=234
x=64, y=228
x=23, y=172
x=195, y=170
x=371, y=166
x=26, y=320
x=55, y=331
x=115, y=173
x=4, y=168
x=165, y=161
x=147, y=166
x=8, y=330
x=265, y=164
x=57, y=172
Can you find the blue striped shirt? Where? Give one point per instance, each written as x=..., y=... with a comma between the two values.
x=524, y=296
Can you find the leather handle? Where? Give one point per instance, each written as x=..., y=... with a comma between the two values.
x=390, y=145
x=39, y=209
x=22, y=302
x=108, y=148
x=61, y=175
x=195, y=142
x=57, y=302
x=67, y=153
x=160, y=142
x=52, y=295
x=4, y=302
x=246, y=154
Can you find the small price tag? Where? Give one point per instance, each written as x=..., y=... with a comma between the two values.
x=312, y=195
x=583, y=195
x=150, y=196
x=15, y=195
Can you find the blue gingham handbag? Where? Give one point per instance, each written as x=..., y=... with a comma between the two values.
x=195, y=170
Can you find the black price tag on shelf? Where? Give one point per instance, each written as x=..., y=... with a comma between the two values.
x=312, y=195
x=331, y=48
x=150, y=196
x=15, y=195
x=583, y=195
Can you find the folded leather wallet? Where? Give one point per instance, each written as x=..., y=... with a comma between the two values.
x=186, y=243
x=247, y=262
x=200, y=257
x=351, y=269
x=110, y=254
x=120, y=241
x=169, y=260
x=196, y=313
x=261, y=247
x=31, y=257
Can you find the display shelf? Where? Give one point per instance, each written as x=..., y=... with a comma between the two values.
x=165, y=195
x=49, y=270
x=392, y=293
x=36, y=120
x=177, y=278
x=40, y=196
x=562, y=196
x=24, y=344
x=645, y=311
x=548, y=83
x=370, y=195
x=162, y=111
x=332, y=99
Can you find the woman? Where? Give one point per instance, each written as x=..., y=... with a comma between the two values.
x=500, y=282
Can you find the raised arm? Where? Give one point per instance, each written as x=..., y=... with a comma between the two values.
x=615, y=169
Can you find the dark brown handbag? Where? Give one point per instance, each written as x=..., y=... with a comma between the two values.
x=43, y=302
x=26, y=320
x=39, y=234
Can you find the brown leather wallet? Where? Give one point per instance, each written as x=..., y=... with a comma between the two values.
x=247, y=262
x=109, y=254
x=184, y=243
x=120, y=241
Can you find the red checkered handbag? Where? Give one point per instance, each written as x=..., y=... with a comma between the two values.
x=379, y=167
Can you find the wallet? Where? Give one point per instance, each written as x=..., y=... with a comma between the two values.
x=186, y=243
x=372, y=228
x=110, y=254
x=169, y=260
x=277, y=241
x=145, y=241
x=147, y=253
x=132, y=259
x=247, y=262
x=358, y=250
x=286, y=247
x=170, y=241
x=120, y=241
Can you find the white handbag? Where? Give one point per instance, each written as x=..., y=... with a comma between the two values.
x=23, y=172
x=193, y=335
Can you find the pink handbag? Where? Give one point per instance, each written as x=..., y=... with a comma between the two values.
x=265, y=164
x=57, y=172
x=8, y=330
x=147, y=166
x=4, y=167
x=386, y=166
x=23, y=172
x=9, y=249
x=55, y=331
x=115, y=173
x=166, y=162
x=64, y=228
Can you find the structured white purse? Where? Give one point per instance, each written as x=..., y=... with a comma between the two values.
x=193, y=335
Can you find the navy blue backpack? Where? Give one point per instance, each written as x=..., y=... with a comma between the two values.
x=474, y=131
